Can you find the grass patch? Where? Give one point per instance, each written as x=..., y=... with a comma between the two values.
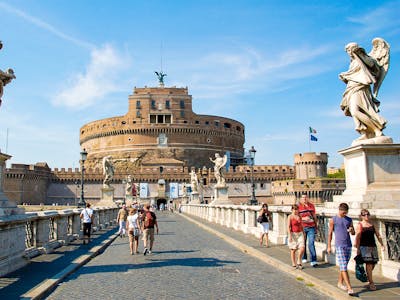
x=299, y=278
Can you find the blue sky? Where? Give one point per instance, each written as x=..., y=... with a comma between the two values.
x=272, y=65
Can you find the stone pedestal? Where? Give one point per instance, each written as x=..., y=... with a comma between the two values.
x=221, y=196
x=107, y=197
x=195, y=198
x=372, y=177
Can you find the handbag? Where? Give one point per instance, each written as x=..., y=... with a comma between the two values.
x=360, y=271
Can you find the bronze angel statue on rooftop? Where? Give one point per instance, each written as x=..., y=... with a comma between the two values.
x=160, y=76
x=359, y=100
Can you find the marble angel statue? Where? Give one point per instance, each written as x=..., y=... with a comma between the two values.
x=5, y=78
x=219, y=164
x=359, y=99
x=108, y=170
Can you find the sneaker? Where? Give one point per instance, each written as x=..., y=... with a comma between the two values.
x=314, y=264
x=150, y=252
x=145, y=251
x=304, y=260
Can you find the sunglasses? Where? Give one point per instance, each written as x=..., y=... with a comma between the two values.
x=364, y=215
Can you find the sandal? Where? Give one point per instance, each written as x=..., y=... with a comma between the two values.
x=342, y=287
x=300, y=266
x=350, y=292
x=294, y=266
x=372, y=287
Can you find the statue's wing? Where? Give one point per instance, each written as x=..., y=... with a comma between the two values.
x=157, y=73
x=381, y=53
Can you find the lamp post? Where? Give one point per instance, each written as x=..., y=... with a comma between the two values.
x=253, y=200
x=82, y=202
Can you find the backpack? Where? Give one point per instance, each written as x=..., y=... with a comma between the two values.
x=149, y=220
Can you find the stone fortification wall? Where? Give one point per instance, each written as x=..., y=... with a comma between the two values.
x=311, y=165
x=27, y=183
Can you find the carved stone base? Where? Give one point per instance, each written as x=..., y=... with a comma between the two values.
x=376, y=140
x=107, y=197
x=372, y=177
x=221, y=196
x=195, y=198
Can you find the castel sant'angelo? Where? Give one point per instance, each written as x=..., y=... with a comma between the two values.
x=160, y=128
x=159, y=141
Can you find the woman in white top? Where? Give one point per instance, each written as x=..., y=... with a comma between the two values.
x=132, y=225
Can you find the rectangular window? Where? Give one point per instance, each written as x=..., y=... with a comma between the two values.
x=138, y=104
x=167, y=104
x=182, y=104
x=138, y=115
x=153, y=104
x=160, y=119
x=182, y=113
x=153, y=119
x=168, y=119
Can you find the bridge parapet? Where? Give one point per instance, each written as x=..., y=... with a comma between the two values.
x=244, y=218
x=34, y=233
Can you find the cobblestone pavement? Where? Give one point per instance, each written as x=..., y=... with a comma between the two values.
x=187, y=263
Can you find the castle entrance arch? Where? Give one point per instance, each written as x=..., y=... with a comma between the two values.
x=161, y=202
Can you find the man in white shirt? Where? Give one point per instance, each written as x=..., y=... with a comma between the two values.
x=87, y=220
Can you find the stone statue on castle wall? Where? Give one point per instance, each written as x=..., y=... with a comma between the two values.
x=363, y=79
x=194, y=182
x=108, y=170
x=129, y=186
x=5, y=77
x=219, y=164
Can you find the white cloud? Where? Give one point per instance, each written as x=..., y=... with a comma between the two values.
x=383, y=18
x=99, y=79
x=44, y=25
x=220, y=74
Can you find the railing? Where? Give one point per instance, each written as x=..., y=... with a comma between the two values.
x=31, y=234
x=243, y=218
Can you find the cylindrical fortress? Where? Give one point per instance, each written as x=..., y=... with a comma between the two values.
x=311, y=165
x=161, y=128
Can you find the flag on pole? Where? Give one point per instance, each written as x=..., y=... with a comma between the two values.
x=312, y=130
x=313, y=138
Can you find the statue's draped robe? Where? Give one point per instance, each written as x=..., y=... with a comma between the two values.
x=358, y=92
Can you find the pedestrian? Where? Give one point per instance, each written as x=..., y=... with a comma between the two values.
x=342, y=226
x=148, y=224
x=133, y=228
x=366, y=246
x=310, y=227
x=296, y=237
x=264, y=217
x=121, y=219
x=87, y=220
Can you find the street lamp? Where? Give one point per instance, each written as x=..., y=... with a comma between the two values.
x=253, y=200
x=83, y=158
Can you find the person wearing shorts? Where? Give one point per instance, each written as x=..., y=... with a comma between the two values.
x=264, y=217
x=295, y=237
x=133, y=228
x=342, y=226
x=148, y=229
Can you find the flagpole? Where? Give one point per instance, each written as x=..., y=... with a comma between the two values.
x=309, y=140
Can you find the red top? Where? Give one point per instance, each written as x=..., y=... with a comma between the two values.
x=306, y=212
x=296, y=224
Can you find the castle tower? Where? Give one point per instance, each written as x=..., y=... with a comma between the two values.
x=311, y=165
x=161, y=129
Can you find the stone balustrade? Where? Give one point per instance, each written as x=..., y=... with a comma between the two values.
x=244, y=218
x=28, y=235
